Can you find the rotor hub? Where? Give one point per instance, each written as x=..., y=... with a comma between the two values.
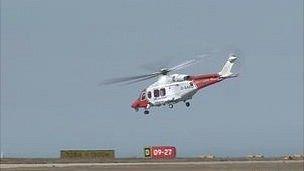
x=164, y=71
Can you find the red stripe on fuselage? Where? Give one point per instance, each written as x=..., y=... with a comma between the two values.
x=202, y=81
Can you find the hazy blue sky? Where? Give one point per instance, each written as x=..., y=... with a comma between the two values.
x=55, y=52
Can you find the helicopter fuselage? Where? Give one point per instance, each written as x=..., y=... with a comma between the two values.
x=172, y=89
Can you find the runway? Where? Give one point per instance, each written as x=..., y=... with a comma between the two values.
x=296, y=165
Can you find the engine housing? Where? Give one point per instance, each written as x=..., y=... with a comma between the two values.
x=179, y=77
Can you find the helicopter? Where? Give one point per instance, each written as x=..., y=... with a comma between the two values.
x=174, y=88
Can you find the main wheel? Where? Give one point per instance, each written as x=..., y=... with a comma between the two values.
x=187, y=104
x=170, y=105
x=146, y=112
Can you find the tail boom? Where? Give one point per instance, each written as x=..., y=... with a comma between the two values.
x=202, y=81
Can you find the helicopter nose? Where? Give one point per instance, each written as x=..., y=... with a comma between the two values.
x=135, y=104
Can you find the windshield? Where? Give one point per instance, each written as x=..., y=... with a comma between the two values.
x=142, y=95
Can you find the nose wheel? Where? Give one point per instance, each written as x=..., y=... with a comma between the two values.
x=170, y=106
x=187, y=104
x=146, y=112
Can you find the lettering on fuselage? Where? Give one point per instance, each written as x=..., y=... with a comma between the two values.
x=186, y=87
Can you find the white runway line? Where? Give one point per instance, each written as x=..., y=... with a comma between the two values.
x=7, y=166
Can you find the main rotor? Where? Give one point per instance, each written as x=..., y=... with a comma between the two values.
x=139, y=78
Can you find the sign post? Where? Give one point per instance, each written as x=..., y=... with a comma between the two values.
x=160, y=152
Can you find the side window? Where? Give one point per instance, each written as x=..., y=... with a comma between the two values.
x=156, y=93
x=143, y=96
x=149, y=95
x=162, y=91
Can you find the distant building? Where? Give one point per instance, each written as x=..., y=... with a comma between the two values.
x=208, y=156
x=87, y=154
x=298, y=155
x=288, y=157
x=293, y=157
x=256, y=156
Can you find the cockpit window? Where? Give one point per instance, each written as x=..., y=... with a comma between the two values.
x=149, y=95
x=162, y=92
x=143, y=96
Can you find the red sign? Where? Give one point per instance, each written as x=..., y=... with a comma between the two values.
x=160, y=152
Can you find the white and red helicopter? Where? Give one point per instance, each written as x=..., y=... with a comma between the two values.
x=171, y=89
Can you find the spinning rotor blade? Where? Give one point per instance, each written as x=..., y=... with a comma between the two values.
x=142, y=79
x=139, y=78
x=126, y=79
x=184, y=64
x=156, y=65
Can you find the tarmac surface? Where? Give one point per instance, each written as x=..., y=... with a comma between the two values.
x=288, y=165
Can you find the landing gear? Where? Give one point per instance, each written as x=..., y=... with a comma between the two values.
x=170, y=106
x=187, y=104
x=146, y=112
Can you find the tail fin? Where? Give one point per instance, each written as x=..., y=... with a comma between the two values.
x=226, y=71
